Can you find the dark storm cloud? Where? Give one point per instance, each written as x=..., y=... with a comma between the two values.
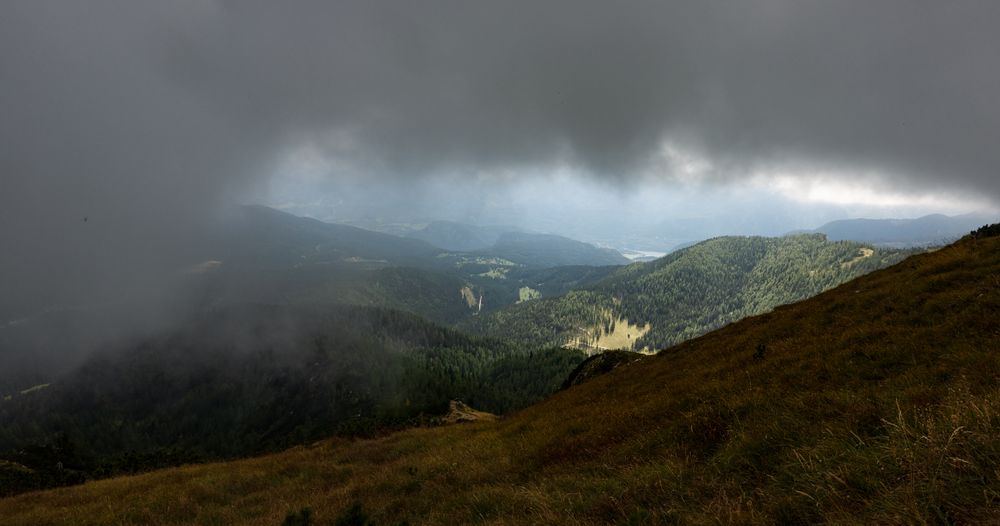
x=903, y=87
x=141, y=116
x=106, y=165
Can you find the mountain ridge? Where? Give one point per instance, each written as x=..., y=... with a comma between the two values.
x=933, y=229
x=461, y=237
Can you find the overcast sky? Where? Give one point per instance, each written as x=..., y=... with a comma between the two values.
x=144, y=117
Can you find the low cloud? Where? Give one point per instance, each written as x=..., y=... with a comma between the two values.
x=124, y=126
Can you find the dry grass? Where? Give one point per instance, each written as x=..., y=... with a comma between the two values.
x=876, y=402
x=622, y=335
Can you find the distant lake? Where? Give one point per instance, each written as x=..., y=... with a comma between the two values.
x=641, y=255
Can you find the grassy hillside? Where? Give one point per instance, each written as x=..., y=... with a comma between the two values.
x=687, y=293
x=875, y=402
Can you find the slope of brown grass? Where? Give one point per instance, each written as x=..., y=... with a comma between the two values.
x=876, y=402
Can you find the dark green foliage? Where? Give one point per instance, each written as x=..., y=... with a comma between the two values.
x=433, y=295
x=553, y=281
x=987, y=231
x=692, y=291
x=265, y=238
x=546, y=250
x=253, y=378
x=60, y=463
x=450, y=235
x=544, y=322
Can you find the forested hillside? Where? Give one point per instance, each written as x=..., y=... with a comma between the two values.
x=687, y=293
x=252, y=378
x=547, y=250
x=261, y=255
x=461, y=237
x=272, y=257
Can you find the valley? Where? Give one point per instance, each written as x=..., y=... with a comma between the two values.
x=357, y=331
x=775, y=418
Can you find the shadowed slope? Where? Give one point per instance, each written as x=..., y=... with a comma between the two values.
x=873, y=402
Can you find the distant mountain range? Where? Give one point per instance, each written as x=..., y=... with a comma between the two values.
x=548, y=250
x=511, y=243
x=263, y=236
x=935, y=229
x=461, y=237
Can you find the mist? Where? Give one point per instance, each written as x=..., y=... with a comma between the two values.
x=652, y=215
x=129, y=131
